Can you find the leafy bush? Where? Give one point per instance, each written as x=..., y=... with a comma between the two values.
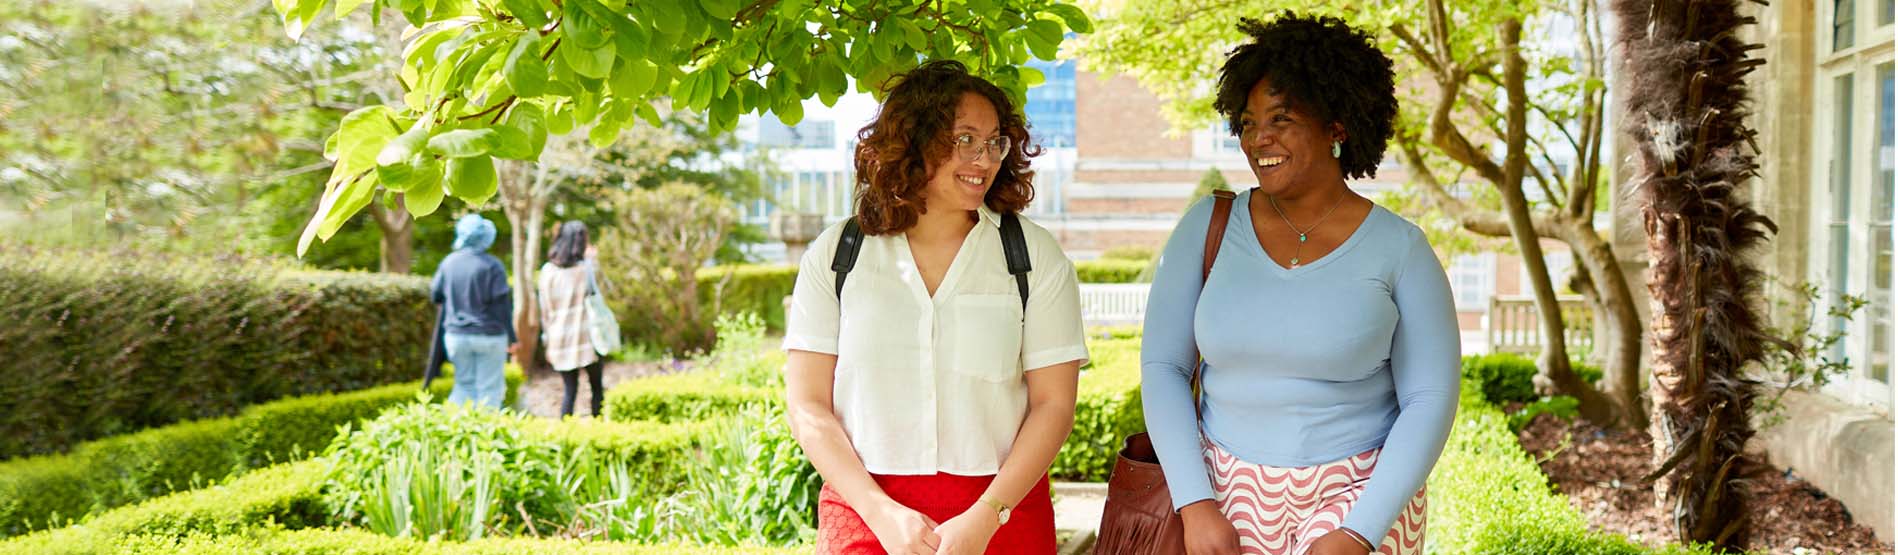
x=724, y=290
x=287, y=495
x=1110, y=270
x=1561, y=406
x=1502, y=377
x=428, y=471
x=108, y=343
x=683, y=397
x=1106, y=407
x=39, y=492
x=1489, y=497
x=1134, y=253
x=653, y=254
x=749, y=483
x=266, y=540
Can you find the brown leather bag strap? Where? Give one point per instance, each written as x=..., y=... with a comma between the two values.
x=1215, y=234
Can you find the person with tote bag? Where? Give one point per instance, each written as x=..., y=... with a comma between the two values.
x=1299, y=389
x=572, y=313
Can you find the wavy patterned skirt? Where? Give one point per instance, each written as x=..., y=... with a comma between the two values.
x=1283, y=510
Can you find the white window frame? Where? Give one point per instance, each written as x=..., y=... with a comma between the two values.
x=1872, y=47
x=1479, y=270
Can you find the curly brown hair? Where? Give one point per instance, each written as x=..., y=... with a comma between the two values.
x=899, y=150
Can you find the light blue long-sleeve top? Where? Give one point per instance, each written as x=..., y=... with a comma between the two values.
x=1355, y=350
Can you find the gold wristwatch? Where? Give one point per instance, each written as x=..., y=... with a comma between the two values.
x=1001, y=510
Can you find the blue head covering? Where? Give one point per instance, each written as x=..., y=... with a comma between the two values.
x=474, y=232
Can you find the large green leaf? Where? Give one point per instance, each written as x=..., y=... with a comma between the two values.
x=594, y=62
x=1074, y=17
x=582, y=29
x=463, y=143
x=722, y=9
x=528, y=118
x=633, y=78
x=512, y=143
x=526, y=73
x=528, y=11
x=422, y=201
x=471, y=179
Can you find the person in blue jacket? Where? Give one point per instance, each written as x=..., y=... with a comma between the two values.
x=477, y=323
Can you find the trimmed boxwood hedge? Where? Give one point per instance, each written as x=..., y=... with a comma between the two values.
x=39, y=492
x=1487, y=496
x=107, y=343
x=1110, y=270
x=290, y=495
x=264, y=540
x=761, y=288
x=683, y=397
x=1107, y=407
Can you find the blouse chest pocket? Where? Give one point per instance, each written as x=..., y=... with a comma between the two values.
x=986, y=337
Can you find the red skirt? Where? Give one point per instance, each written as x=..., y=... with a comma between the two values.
x=1030, y=528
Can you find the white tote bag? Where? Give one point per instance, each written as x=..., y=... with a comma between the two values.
x=602, y=327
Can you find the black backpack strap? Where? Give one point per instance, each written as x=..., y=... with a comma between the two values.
x=1015, y=248
x=848, y=243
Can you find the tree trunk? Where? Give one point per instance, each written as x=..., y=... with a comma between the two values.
x=1686, y=121
x=526, y=210
x=398, y=237
x=1614, y=303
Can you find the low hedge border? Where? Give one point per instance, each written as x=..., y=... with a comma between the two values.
x=325, y=541
x=1107, y=407
x=1488, y=496
x=111, y=342
x=38, y=492
x=290, y=495
x=689, y=396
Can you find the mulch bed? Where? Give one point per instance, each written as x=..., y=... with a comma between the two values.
x=1600, y=471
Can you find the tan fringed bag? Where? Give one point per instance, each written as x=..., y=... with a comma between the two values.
x=1138, y=518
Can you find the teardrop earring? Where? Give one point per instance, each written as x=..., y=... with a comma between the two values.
x=1337, y=149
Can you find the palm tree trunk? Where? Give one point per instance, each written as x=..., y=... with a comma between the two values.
x=1686, y=98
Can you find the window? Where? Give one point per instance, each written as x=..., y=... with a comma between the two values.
x=807, y=134
x=1473, y=280
x=1842, y=16
x=1878, y=364
x=1840, y=244
x=1884, y=12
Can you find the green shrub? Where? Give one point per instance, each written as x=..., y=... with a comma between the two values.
x=1106, y=407
x=1110, y=270
x=265, y=540
x=108, y=343
x=286, y=495
x=735, y=289
x=749, y=483
x=1129, y=252
x=683, y=397
x=1487, y=496
x=1561, y=406
x=424, y=470
x=39, y=492
x=1502, y=377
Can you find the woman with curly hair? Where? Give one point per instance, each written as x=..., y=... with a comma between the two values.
x=1324, y=330
x=932, y=387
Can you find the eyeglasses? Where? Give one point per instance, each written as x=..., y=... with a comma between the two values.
x=969, y=148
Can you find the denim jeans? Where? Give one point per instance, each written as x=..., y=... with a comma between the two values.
x=478, y=363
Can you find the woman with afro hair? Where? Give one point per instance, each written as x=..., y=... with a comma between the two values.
x=1325, y=324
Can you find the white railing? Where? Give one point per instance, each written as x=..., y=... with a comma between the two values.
x=1113, y=304
x=1515, y=324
